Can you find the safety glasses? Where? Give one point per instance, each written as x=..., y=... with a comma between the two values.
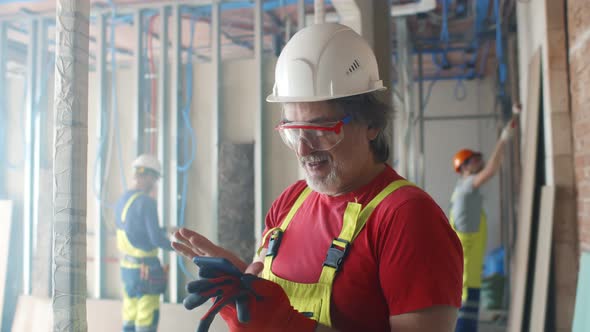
x=318, y=136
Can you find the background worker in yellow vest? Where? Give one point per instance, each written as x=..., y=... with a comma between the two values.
x=468, y=219
x=354, y=246
x=138, y=238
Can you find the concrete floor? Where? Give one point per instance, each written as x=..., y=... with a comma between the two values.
x=173, y=317
x=492, y=321
x=491, y=327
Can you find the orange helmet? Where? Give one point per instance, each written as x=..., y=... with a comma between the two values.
x=461, y=157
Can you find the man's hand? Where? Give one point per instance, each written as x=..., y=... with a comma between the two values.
x=516, y=109
x=508, y=131
x=190, y=244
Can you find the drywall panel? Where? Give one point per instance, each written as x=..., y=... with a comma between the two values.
x=542, y=260
x=532, y=27
x=199, y=213
x=527, y=191
x=239, y=96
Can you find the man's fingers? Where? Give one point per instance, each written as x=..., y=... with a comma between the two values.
x=198, y=243
x=198, y=239
x=255, y=268
x=187, y=233
x=184, y=250
x=178, y=237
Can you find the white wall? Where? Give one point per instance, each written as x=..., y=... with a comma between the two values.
x=16, y=135
x=444, y=138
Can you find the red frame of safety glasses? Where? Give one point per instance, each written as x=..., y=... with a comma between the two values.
x=303, y=125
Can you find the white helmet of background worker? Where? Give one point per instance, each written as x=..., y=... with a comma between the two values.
x=147, y=162
x=322, y=62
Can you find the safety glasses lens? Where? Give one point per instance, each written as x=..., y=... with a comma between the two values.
x=320, y=140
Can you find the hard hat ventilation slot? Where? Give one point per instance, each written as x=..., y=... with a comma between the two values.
x=353, y=67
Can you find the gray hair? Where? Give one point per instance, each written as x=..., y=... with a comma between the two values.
x=368, y=109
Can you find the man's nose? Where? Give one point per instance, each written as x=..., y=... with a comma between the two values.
x=304, y=148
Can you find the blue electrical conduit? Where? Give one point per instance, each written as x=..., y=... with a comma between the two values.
x=185, y=112
x=502, y=71
x=104, y=135
x=114, y=99
x=471, y=73
x=105, y=143
x=205, y=10
x=444, y=36
x=481, y=13
x=189, y=137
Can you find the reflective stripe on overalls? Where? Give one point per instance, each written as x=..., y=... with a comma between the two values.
x=474, y=246
x=314, y=300
x=125, y=246
x=140, y=308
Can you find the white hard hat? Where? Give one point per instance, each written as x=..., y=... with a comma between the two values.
x=322, y=62
x=147, y=161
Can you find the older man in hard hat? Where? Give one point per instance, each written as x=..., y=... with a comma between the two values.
x=468, y=219
x=138, y=238
x=354, y=247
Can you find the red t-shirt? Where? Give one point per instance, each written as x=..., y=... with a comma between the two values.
x=406, y=258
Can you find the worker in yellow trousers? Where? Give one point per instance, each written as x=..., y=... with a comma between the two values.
x=468, y=219
x=138, y=239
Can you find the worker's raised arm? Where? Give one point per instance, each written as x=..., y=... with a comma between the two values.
x=492, y=166
x=498, y=154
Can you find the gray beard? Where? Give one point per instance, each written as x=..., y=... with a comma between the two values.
x=325, y=184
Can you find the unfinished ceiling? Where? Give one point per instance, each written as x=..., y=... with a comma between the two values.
x=457, y=40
